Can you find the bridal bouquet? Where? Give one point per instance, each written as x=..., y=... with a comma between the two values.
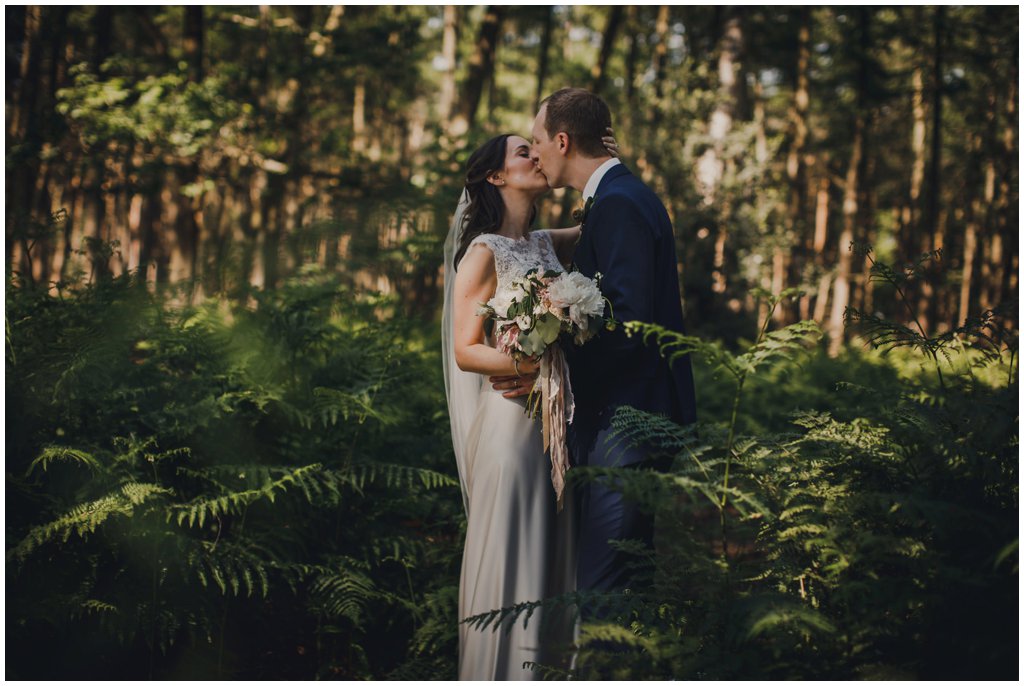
x=530, y=316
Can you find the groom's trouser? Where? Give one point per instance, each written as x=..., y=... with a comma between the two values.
x=606, y=515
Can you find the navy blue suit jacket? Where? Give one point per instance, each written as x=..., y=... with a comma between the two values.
x=627, y=237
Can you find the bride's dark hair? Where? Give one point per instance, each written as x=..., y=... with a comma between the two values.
x=486, y=208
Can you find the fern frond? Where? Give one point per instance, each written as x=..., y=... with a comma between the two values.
x=344, y=588
x=606, y=632
x=399, y=476
x=311, y=480
x=672, y=345
x=550, y=673
x=781, y=345
x=800, y=618
x=620, y=603
x=332, y=404
x=232, y=565
x=56, y=453
x=86, y=518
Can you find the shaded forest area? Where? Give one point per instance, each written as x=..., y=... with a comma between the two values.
x=223, y=148
x=228, y=454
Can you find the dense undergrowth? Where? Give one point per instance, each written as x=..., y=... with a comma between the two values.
x=222, y=491
x=268, y=492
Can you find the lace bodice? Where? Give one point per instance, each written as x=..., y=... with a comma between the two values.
x=513, y=257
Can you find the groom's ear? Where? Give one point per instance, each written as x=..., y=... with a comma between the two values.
x=563, y=141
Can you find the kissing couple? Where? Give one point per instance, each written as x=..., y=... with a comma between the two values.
x=520, y=546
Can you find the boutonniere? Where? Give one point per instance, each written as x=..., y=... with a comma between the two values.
x=580, y=215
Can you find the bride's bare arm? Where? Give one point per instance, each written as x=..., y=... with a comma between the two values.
x=475, y=283
x=564, y=242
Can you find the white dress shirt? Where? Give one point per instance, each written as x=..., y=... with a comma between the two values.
x=595, y=178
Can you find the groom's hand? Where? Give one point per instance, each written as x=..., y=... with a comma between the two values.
x=514, y=386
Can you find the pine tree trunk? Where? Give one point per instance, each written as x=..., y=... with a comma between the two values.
x=798, y=121
x=711, y=166
x=917, y=146
x=844, y=261
x=598, y=72
x=851, y=194
x=931, y=230
x=542, y=62
x=821, y=214
x=449, y=51
x=22, y=129
x=978, y=210
x=481, y=70
x=796, y=172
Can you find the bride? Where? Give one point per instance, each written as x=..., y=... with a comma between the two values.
x=518, y=547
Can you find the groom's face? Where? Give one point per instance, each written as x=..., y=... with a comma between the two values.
x=546, y=151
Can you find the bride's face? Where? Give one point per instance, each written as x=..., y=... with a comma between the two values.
x=520, y=173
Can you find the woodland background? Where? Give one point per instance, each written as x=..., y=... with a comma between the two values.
x=227, y=451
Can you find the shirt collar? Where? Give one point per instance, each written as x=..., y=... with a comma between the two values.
x=595, y=179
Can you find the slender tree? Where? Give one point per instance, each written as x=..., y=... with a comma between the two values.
x=851, y=190
x=481, y=69
x=599, y=72
x=449, y=53
x=542, y=61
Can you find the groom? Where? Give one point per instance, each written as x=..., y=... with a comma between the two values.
x=627, y=238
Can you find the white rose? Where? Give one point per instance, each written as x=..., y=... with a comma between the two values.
x=524, y=321
x=579, y=294
x=500, y=303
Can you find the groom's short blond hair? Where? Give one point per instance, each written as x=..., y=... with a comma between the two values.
x=582, y=115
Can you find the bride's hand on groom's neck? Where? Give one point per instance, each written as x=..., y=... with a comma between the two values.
x=610, y=144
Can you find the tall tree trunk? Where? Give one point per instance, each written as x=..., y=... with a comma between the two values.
x=977, y=212
x=359, y=112
x=181, y=211
x=796, y=172
x=820, y=241
x=711, y=165
x=599, y=72
x=23, y=114
x=917, y=146
x=22, y=129
x=542, y=62
x=1008, y=209
x=851, y=193
x=481, y=69
x=449, y=52
x=798, y=120
x=841, y=286
x=932, y=230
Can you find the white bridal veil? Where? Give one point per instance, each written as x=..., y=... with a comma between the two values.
x=462, y=388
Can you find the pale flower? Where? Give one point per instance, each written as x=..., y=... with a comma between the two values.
x=501, y=301
x=580, y=294
x=524, y=322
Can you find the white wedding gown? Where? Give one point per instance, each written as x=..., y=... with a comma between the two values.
x=518, y=548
